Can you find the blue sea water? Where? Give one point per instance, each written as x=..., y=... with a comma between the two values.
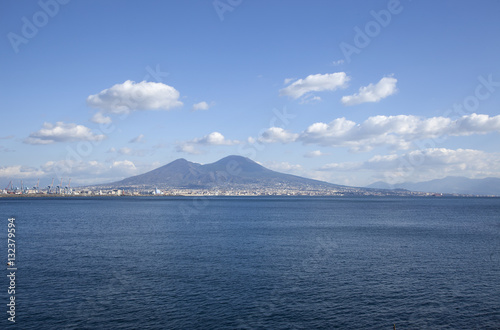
x=254, y=263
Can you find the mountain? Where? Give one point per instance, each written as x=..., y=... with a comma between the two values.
x=231, y=171
x=450, y=184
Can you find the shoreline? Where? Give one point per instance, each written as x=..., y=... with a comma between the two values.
x=422, y=195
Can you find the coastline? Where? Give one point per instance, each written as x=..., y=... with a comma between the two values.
x=421, y=195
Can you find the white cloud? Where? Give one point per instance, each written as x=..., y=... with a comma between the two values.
x=338, y=62
x=62, y=132
x=288, y=80
x=138, y=139
x=346, y=166
x=99, y=118
x=91, y=172
x=124, y=166
x=309, y=98
x=188, y=148
x=212, y=139
x=396, y=131
x=80, y=172
x=131, y=96
x=284, y=167
x=424, y=164
x=316, y=83
x=201, y=106
x=313, y=154
x=19, y=172
x=277, y=134
x=475, y=124
x=372, y=93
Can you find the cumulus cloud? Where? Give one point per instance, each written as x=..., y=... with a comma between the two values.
x=212, y=139
x=425, y=164
x=131, y=96
x=397, y=131
x=124, y=166
x=138, y=139
x=99, y=118
x=373, y=92
x=91, y=172
x=19, y=172
x=440, y=160
x=80, y=172
x=474, y=124
x=201, y=106
x=62, y=132
x=277, y=134
x=316, y=83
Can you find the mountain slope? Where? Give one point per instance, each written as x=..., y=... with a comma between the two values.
x=451, y=185
x=229, y=171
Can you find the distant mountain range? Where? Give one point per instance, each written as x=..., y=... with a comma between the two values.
x=450, y=185
x=231, y=171
x=236, y=172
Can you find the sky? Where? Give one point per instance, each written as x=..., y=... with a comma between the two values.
x=349, y=92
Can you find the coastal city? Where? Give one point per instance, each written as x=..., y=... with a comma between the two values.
x=222, y=190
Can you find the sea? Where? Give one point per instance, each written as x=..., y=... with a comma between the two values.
x=253, y=263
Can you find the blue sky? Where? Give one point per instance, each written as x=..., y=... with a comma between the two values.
x=350, y=92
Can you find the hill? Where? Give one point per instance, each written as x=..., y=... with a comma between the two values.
x=231, y=171
x=450, y=185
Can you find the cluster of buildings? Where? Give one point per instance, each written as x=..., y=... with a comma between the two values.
x=247, y=190
x=36, y=190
